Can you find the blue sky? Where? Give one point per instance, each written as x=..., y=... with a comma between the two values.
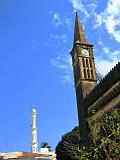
x=35, y=66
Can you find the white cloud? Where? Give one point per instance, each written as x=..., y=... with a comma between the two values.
x=56, y=63
x=68, y=22
x=105, y=65
x=66, y=79
x=110, y=18
x=62, y=38
x=64, y=65
x=85, y=7
x=100, y=43
x=56, y=19
x=114, y=56
x=78, y=5
x=92, y=6
x=106, y=50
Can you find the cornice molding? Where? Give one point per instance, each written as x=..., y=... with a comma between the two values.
x=114, y=103
x=105, y=99
x=108, y=82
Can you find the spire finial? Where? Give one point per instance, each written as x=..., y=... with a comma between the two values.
x=76, y=12
x=79, y=35
x=33, y=107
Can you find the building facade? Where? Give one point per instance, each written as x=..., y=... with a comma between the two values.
x=91, y=96
x=84, y=72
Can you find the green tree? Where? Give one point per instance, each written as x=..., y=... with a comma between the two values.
x=68, y=147
x=104, y=139
x=46, y=145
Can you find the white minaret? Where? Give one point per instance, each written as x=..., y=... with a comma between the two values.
x=34, y=132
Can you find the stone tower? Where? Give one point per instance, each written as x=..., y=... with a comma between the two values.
x=84, y=73
x=34, y=132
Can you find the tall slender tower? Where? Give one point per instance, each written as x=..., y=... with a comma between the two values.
x=84, y=73
x=34, y=132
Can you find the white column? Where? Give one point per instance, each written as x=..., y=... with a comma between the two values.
x=34, y=132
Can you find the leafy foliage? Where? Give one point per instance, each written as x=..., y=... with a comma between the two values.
x=46, y=145
x=104, y=139
x=68, y=147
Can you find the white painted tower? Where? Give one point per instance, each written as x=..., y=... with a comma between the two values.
x=34, y=132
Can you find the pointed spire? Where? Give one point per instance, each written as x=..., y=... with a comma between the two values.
x=79, y=35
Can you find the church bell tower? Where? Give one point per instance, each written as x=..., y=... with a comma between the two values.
x=84, y=73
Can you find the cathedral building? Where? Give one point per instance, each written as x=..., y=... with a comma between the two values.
x=91, y=96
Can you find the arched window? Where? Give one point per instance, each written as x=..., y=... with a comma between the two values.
x=85, y=75
x=87, y=65
x=92, y=75
x=88, y=74
x=83, y=61
x=90, y=63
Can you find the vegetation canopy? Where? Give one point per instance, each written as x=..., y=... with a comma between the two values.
x=104, y=136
